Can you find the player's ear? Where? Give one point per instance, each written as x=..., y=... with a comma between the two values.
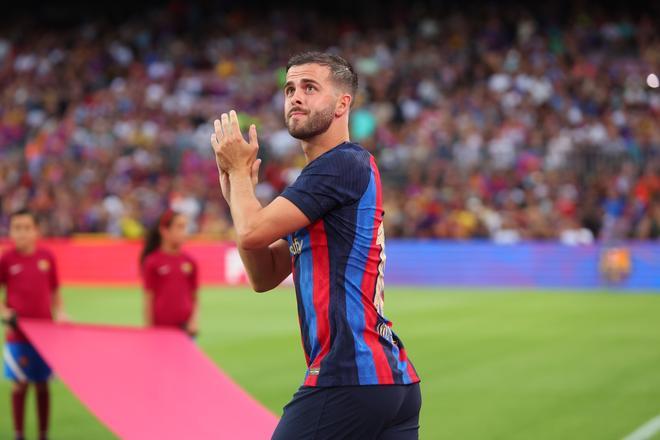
x=343, y=104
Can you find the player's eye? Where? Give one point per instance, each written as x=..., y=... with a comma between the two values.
x=288, y=91
x=310, y=88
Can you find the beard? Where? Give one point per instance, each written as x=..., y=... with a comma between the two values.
x=317, y=123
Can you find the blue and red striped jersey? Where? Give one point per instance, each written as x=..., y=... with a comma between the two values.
x=338, y=262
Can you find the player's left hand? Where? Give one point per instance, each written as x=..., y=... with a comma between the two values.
x=61, y=317
x=232, y=152
x=192, y=328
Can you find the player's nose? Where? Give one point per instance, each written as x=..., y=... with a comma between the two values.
x=296, y=98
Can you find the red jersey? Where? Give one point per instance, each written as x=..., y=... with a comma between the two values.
x=30, y=281
x=172, y=281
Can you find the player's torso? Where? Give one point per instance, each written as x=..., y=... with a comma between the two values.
x=173, y=286
x=172, y=273
x=30, y=284
x=338, y=264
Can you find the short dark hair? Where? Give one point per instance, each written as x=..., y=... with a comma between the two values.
x=21, y=212
x=341, y=71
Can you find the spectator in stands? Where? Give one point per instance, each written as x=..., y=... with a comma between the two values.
x=499, y=124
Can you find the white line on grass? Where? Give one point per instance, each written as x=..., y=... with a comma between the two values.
x=646, y=431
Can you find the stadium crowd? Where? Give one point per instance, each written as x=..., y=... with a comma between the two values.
x=501, y=125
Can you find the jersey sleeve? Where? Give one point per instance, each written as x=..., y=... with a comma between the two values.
x=54, y=274
x=148, y=275
x=194, y=277
x=329, y=182
x=3, y=271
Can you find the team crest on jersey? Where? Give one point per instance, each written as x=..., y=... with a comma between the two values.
x=186, y=267
x=296, y=246
x=15, y=269
x=164, y=270
x=43, y=265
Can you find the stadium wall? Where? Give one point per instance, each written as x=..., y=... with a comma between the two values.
x=432, y=263
x=113, y=261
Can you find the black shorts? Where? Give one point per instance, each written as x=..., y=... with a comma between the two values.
x=378, y=412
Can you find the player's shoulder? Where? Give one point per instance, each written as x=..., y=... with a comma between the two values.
x=350, y=151
x=42, y=252
x=7, y=253
x=344, y=157
x=153, y=258
x=187, y=257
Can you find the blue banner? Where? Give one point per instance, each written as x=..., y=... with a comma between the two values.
x=543, y=265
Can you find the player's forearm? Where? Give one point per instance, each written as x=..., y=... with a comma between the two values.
x=263, y=269
x=244, y=211
x=58, y=306
x=4, y=310
x=148, y=310
x=194, y=316
x=7, y=315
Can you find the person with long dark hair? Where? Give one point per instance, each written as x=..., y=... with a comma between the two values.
x=170, y=276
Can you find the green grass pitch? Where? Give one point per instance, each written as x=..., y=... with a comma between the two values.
x=494, y=365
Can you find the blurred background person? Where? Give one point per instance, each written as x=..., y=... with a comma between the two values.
x=29, y=275
x=170, y=276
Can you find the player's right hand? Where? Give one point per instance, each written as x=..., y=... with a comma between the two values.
x=9, y=318
x=232, y=151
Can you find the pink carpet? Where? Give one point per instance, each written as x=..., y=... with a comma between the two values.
x=149, y=384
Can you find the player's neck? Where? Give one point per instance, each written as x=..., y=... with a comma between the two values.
x=170, y=248
x=26, y=250
x=324, y=142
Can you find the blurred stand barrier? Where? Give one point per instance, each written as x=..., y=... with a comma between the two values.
x=543, y=265
x=115, y=261
x=633, y=265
